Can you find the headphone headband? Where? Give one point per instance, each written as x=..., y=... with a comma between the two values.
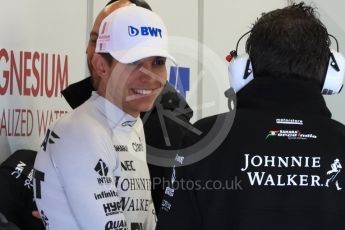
x=240, y=70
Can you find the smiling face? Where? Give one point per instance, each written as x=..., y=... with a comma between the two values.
x=135, y=87
x=131, y=69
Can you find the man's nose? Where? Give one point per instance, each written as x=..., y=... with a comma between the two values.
x=147, y=75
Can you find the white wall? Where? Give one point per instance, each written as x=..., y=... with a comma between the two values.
x=55, y=28
x=225, y=21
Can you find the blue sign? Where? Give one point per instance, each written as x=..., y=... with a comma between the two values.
x=180, y=79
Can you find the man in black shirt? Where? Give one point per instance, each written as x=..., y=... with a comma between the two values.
x=272, y=171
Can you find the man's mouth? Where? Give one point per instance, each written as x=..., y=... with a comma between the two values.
x=139, y=93
x=143, y=91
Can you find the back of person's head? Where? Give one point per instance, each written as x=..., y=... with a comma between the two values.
x=290, y=43
x=140, y=3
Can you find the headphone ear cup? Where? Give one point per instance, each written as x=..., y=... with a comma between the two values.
x=335, y=74
x=240, y=72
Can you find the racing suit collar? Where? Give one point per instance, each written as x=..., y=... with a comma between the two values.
x=116, y=117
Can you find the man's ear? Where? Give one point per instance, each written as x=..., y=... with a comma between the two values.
x=100, y=66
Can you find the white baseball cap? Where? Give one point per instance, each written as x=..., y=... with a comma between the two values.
x=132, y=33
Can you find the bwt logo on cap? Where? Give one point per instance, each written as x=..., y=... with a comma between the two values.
x=144, y=31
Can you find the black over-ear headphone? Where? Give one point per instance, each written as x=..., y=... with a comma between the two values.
x=241, y=72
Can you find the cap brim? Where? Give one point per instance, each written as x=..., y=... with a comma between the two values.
x=138, y=53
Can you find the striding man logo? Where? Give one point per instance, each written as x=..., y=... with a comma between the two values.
x=333, y=174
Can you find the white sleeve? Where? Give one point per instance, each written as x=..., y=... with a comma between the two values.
x=151, y=219
x=79, y=187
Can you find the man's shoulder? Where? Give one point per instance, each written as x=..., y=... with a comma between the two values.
x=209, y=128
x=75, y=119
x=208, y=122
x=338, y=127
x=81, y=122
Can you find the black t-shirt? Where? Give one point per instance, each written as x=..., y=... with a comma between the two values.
x=279, y=167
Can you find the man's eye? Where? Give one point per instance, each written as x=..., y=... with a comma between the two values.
x=160, y=61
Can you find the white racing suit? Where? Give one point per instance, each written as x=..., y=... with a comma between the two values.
x=91, y=171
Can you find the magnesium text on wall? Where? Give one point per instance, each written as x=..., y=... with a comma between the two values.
x=30, y=86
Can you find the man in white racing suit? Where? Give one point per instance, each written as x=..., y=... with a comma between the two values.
x=91, y=171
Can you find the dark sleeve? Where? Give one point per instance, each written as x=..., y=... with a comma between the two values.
x=10, y=197
x=179, y=209
x=16, y=194
x=5, y=224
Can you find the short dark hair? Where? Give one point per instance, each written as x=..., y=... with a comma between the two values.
x=290, y=43
x=140, y=3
